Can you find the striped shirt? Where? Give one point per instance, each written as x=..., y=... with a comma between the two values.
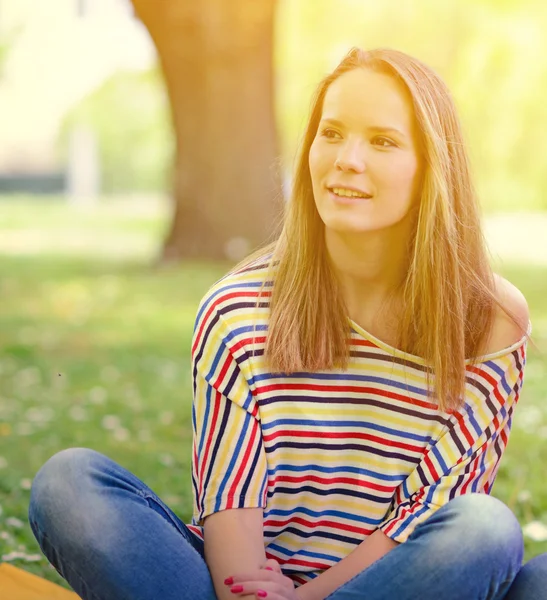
x=331, y=456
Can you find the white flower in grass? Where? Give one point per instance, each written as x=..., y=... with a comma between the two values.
x=21, y=556
x=111, y=422
x=536, y=531
x=77, y=413
x=144, y=435
x=27, y=377
x=166, y=460
x=25, y=484
x=529, y=418
x=168, y=371
x=24, y=429
x=14, y=522
x=97, y=395
x=166, y=417
x=110, y=374
x=39, y=415
x=121, y=434
x=3, y=462
x=4, y=535
x=524, y=496
x=28, y=335
x=134, y=403
x=49, y=339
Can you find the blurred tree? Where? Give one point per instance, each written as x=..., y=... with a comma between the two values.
x=217, y=60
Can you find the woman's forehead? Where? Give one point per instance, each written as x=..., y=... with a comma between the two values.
x=365, y=98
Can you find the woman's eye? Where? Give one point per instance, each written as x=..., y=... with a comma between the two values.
x=330, y=134
x=384, y=142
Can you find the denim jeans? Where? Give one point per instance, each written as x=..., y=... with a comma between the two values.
x=112, y=538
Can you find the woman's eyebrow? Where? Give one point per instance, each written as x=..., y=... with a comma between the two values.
x=372, y=128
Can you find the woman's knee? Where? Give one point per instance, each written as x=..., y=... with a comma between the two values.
x=531, y=581
x=60, y=490
x=483, y=518
x=477, y=528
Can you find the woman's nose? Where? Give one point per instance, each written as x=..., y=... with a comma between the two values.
x=351, y=158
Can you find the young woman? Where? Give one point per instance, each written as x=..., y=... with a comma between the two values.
x=354, y=388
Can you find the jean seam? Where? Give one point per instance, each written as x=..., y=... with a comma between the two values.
x=146, y=496
x=65, y=563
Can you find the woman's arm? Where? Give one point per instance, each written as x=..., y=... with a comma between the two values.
x=234, y=543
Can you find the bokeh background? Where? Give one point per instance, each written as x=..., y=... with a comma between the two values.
x=146, y=146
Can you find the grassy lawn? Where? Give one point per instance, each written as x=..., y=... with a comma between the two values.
x=95, y=352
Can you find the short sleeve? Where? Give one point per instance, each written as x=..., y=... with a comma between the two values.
x=466, y=457
x=228, y=457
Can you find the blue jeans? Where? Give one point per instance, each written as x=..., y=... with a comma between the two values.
x=112, y=538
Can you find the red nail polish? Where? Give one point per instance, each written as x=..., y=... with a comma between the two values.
x=236, y=589
x=261, y=593
x=268, y=569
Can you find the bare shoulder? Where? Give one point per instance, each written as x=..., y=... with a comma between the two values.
x=505, y=332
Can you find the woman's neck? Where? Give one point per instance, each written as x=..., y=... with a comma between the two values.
x=370, y=267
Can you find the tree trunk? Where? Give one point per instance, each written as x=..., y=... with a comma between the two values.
x=217, y=60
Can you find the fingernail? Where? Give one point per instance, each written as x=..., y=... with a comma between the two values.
x=236, y=589
x=229, y=580
x=262, y=593
x=268, y=569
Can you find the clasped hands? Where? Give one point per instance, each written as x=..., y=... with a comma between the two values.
x=267, y=582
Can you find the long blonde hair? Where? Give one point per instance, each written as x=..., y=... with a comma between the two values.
x=449, y=297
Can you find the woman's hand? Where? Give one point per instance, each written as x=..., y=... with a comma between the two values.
x=268, y=582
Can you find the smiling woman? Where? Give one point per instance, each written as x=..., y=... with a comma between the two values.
x=354, y=157
x=354, y=388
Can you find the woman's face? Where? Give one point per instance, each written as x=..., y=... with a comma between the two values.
x=364, y=161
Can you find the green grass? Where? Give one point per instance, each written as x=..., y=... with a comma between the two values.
x=95, y=352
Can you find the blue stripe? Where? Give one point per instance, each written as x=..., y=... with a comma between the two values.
x=336, y=377
x=338, y=470
x=408, y=521
x=234, y=459
x=502, y=373
x=323, y=513
x=358, y=424
x=210, y=297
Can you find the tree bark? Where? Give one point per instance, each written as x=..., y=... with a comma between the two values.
x=217, y=60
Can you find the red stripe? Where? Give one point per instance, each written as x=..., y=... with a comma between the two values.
x=494, y=383
x=225, y=366
x=210, y=429
x=472, y=475
x=308, y=563
x=260, y=339
x=344, y=435
x=338, y=389
x=318, y=524
x=404, y=514
x=331, y=481
x=461, y=421
x=212, y=307
x=431, y=467
x=292, y=561
x=363, y=342
x=246, y=460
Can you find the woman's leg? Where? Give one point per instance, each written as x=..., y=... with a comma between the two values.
x=470, y=549
x=110, y=536
x=531, y=581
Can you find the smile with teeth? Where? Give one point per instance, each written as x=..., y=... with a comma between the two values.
x=348, y=193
